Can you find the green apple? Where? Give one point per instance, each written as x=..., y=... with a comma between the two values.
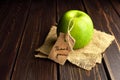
x=80, y=26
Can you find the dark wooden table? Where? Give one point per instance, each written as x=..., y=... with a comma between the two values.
x=24, y=25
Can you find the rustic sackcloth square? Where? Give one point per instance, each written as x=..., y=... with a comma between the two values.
x=86, y=57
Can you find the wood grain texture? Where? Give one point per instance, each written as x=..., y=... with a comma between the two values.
x=72, y=72
x=63, y=6
x=24, y=25
x=116, y=6
x=106, y=20
x=41, y=17
x=4, y=10
x=112, y=21
x=10, y=35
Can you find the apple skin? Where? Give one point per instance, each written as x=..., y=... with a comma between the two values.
x=80, y=26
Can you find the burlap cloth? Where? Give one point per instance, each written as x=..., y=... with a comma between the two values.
x=86, y=57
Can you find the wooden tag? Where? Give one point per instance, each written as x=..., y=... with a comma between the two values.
x=61, y=48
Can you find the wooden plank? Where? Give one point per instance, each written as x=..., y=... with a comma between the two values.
x=116, y=5
x=10, y=35
x=72, y=72
x=10, y=19
x=64, y=6
x=112, y=21
x=41, y=17
x=4, y=10
x=102, y=72
x=112, y=59
x=69, y=71
x=107, y=20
